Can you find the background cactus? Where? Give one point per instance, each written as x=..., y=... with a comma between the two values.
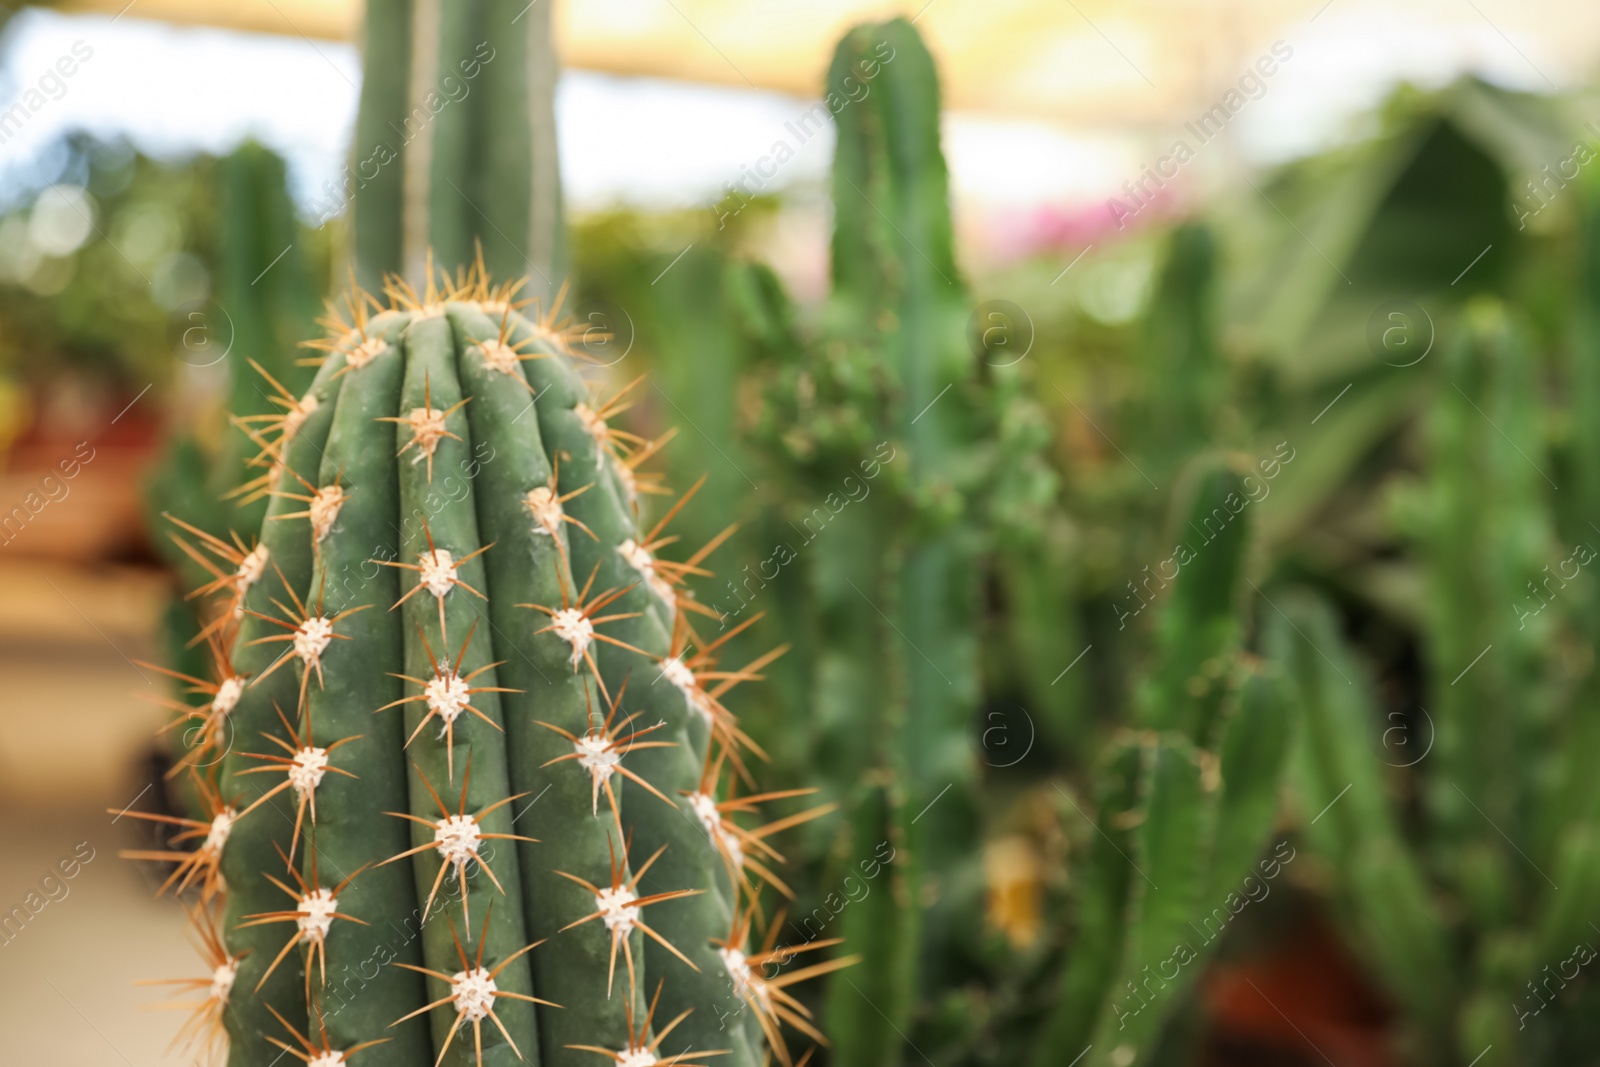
x=1184, y=809
x=890, y=406
x=263, y=322
x=1462, y=917
x=455, y=142
x=267, y=313
x=900, y=650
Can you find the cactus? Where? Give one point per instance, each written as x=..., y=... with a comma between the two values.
x=900, y=455
x=898, y=299
x=454, y=156
x=1184, y=387
x=1338, y=785
x=882, y=411
x=1466, y=925
x=455, y=142
x=269, y=302
x=1177, y=408
x=1184, y=808
x=486, y=801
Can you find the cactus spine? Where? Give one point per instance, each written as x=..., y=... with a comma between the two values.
x=481, y=804
x=263, y=322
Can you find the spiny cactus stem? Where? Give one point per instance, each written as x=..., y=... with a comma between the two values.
x=518, y=698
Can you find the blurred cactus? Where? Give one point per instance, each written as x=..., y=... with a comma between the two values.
x=890, y=414
x=455, y=143
x=267, y=288
x=1178, y=408
x=264, y=304
x=1184, y=809
x=1340, y=790
x=898, y=305
x=1466, y=924
x=267, y=298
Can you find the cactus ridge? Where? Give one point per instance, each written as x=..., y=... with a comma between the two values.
x=464, y=747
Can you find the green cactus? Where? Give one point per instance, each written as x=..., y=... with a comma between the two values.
x=1185, y=380
x=883, y=412
x=1341, y=798
x=1176, y=409
x=268, y=299
x=897, y=296
x=900, y=455
x=1198, y=631
x=271, y=303
x=1465, y=925
x=1485, y=564
x=455, y=142
x=454, y=155
x=482, y=758
x=267, y=305
x=1185, y=809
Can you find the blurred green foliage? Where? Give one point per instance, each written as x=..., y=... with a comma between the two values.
x=104, y=252
x=93, y=257
x=1305, y=336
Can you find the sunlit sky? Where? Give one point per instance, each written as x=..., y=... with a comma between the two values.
x=652, y=142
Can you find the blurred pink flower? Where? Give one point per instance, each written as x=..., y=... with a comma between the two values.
x=1012, y=235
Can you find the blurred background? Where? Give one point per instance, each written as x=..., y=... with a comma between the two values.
x=1344, y=251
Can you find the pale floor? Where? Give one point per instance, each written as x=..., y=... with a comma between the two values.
x=71, y=729
x=67, y=993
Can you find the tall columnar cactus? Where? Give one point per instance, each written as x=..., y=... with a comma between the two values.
x=1184, y=809
x=1340, y=785
x=483, y=799
x=897, y=297
x=882, y=413
x=455, y=142
x=895, y=447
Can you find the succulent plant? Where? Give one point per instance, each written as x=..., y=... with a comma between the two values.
x=1179, y=409
x=455, y=635
x=1184, y=806
x=266, y=287
x=879, y=468
x=478, y=796
x=455, y=145
x=1469, y=903
x=896, y=454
